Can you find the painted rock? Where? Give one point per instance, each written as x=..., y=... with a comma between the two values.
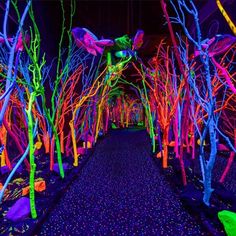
x=81, y=150
x=39, y=186
x=4, y=170
x=159, y=155
x=20, y=210
x=228, y=219
x=56, y=167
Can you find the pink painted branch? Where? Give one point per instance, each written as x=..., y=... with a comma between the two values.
x=229, y=162
x=176, y=133
x=193, y=146
x=52, y=153
x=68, y=143
x=16, y=140
x=226, y=75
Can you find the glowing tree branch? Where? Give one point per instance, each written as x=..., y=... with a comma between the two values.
x=17, y=165
x=31, y=155
x=84, y=97
x=12, y=49
x=226, y=16
x=205, y=97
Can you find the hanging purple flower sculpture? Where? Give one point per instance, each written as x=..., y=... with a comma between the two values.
x=86, y=39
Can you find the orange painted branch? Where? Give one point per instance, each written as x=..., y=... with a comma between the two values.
x=165, y=148
x=73, y=137
x=46, y=142
x=62, y=141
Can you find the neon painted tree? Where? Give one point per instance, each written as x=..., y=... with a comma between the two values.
x=84, y=96
x=14, y=120
x=183, y=123
x=18, y=46
x=85, y=101
x=92, y=81
x=142, y=94
x=62, y=72
x=205, y=97
x=14, y=51
x=124, y=110
x=35, y=76
x=11, y=49
x=161, y=79
x=226, y=69
x=112, y=77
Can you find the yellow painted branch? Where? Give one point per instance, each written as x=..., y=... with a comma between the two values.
x=76, y=156
x=226, y=16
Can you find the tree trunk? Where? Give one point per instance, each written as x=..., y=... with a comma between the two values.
x=68, y=141
x=107, y=120
x=46, y=142
x=181, y=162
x=73, y=137
x=165, y=143
x=14, y=137
x=52, y=153
x=62, y=141
x=59, y=157
x=176, y=133
x=210, y=164
x=31, y=156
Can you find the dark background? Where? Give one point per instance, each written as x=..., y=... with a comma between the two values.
x=108, y=19
x=111, y=19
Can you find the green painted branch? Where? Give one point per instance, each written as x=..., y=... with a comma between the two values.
x=31, y=155
x=58, y=148
x=150, y=120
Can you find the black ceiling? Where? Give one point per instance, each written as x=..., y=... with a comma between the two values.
x=114, y=18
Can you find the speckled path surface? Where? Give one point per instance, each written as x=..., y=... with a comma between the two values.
x=120, y=192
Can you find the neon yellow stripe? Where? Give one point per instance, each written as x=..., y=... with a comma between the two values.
x=226, y=16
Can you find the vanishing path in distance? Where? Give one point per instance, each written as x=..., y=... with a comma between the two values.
x=120, y=191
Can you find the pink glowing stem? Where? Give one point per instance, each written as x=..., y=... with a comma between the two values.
x=226, y=75
x=230, y=161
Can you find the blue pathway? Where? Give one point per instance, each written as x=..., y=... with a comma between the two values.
x=120, y=191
